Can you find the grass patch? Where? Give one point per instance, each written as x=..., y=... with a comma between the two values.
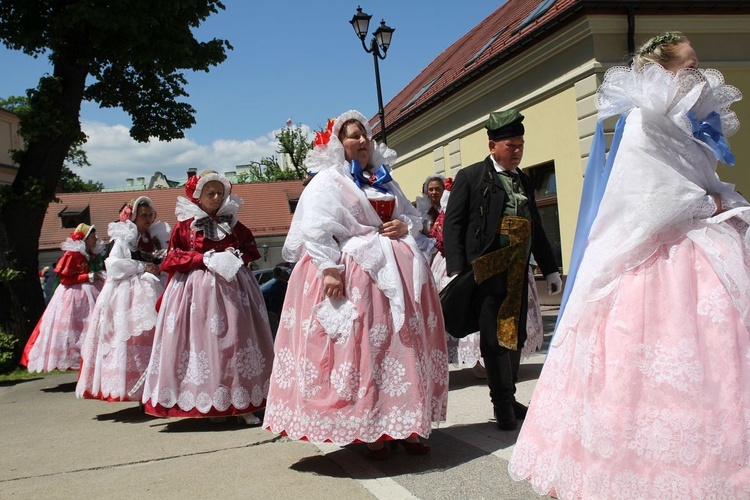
x=23, y=374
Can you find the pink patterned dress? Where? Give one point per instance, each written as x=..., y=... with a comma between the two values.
x=371, y=365
x=645, y=392
x=55, y=343
x=117, y=348
x=213, y=349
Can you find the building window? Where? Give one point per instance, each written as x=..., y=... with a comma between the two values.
x=543, y=7
x=70, y=217
x=421, y=92
x=485, y=47
x=544, y=181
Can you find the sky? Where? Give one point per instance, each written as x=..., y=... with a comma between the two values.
x=292, y=59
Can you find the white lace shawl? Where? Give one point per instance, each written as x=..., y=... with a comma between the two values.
x=71, y=245
x=334, y=217
x=658, y=191
x=186, y=209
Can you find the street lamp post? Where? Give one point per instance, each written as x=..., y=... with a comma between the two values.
x=381, y=39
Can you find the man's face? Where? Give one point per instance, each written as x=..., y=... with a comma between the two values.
x=508, y=152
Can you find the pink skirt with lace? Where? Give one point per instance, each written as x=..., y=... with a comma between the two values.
x=117, y=346
x=213, y=349
x=56, y=340
x=368, y=384
x=648, y=394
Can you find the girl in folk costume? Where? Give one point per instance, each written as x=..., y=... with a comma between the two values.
x=55, y=343
x=465, y=351
x=360, y=351
x=117, y=347
x=648, y=374
x=213, y=349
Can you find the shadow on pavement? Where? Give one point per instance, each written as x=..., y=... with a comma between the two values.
x=67, y=387
x=130, y=415
x=320, y=465
x=10, y=383
x=450, y=450
x=204, y=425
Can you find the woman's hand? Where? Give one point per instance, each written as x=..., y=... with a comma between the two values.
x=394, y=229
x=333, y=286
x=717, y=200
x=153, y=269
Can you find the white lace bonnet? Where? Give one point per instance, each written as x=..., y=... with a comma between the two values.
x=331, y=153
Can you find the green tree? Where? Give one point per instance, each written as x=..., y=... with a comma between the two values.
x=129, y=54
x=294, y=142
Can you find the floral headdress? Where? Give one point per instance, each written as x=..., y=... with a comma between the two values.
x=81, y=232
x=323, y=136
x=194, y=185
x=657, y=41
x=129, y=210
x=329, y=152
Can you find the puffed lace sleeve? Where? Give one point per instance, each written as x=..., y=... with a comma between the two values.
x=119, y=264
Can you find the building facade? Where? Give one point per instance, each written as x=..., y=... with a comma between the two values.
x=10, y=140
x=547, y=58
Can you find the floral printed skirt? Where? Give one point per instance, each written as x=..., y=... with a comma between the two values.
x=363, y=381
x=647, y=394
x=117, y=346
x=213, y=349
x=55, y=343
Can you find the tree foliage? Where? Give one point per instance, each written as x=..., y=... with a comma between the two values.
x=294, y=142
x=129, y=54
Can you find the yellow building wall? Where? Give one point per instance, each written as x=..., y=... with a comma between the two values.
x=739, y=175
x=411, y=175
x=552, y=135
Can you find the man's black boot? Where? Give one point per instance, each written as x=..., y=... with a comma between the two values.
x=505, y=416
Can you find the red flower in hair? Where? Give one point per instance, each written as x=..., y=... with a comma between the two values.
x=323, y=136
x=77, y=236
x=448, y=183
x=190, y=186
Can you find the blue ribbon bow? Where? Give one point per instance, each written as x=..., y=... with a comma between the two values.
x=709, y=131
x=382, y=177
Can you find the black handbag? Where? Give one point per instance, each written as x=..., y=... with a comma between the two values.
x=457, y=300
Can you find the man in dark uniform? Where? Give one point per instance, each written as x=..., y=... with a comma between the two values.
x=491, y=226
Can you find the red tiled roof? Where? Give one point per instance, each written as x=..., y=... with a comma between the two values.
x=266, y=209
x=450, y=68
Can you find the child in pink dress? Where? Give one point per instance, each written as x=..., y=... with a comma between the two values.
x=55, y=343
x=117, y=347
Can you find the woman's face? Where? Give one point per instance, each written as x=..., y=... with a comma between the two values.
x=212, y=196
x=91, y=240
x=685, y=58
x=435, y=190
x=356, y=145
x=144, y=218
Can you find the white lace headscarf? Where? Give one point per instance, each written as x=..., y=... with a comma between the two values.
x=332, y=155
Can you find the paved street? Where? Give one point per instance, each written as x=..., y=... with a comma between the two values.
x=55, y=446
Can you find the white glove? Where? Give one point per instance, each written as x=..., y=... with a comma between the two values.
x=554, y=283
x=225, y=264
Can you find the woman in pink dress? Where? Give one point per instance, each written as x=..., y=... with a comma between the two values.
x=360, y=350
x=117, y=347
x=55, y=343
x=645, y=392
x=213, y=349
